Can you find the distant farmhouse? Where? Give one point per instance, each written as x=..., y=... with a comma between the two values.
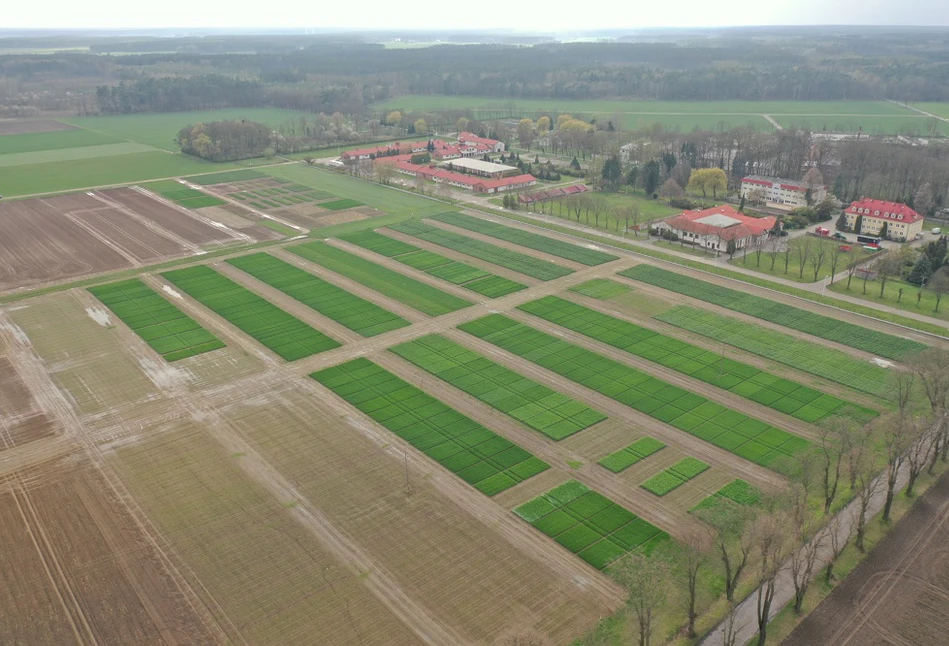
x=468, y=145
x=902, y=223
x=780, y=191
x=717, y=228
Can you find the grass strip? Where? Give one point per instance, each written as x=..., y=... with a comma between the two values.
x=226, y=177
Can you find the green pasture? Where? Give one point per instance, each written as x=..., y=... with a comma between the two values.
x=855, y=336
x=675, y=476
x=783, y=395
x=226, y=177
x=630, y=455
x=730, y=430
x=589, y=524
x=72, y=154
x=939, y=109
x=457, y=273
x=285, y=335
x=477, y=455
x=415, y=294
x=910, y=124
x=169, y=331
x=359, y=315
x=536, y=406
x=602, y=289
x=34, y=142
x=737, y=491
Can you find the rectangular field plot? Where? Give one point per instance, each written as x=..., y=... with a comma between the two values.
x=542, y=409
x=477, y=455
x=855, y=336
x=576, y=253
x=675, y=476
x=339, y=205
x=818, y=360
x=627, y=457
x=602, y=289
x=747, y=381
x=589, y=524
x=413, y=293
x=282, y=333
x=513, y=260
x=737, y=491
x=226, y=177
x=457, y=273
x=727, y=429
x=168, y=330
x=359, y=315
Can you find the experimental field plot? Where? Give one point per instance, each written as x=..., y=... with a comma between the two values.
x=602, y=289
x=737, y=491
x=457, y=273
x=168, y=330
x=226, y=177
x=535, y=405
x=855, y=336
x=359, y=315
x=513, y=260
x=285, y=335
x=589, y=524
x=818, y=360
x=589, y=257
x=628, y=456
x=415, y=294
x=339, y=205
x=182, y=195
x=675, y=476
x=477, y=455
x=781, y=394
x=727, y=429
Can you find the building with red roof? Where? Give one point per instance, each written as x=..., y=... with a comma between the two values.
x=493, y=145
x=717, y=227
x=779, y=191
x=901, y=222
x=466, y=182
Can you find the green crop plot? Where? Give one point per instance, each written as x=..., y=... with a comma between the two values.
x=457, y=273
x=226, y=177
x=415, y=294
x=340, y=205
x=602, y=289
x=519, y=262
x=818, y=360
x=730, y=430
x=855, y=336
x=627, y=457
x=477, y=455
x=589, y=257
x=169, y=331
x=357, y=314
x=736, y=491
x=282, y=333
x=589, y=524
x=675, y=476
x=537, y=406
x=57, y=140
x=781, y=394
x=200, y=202
x=182, y=195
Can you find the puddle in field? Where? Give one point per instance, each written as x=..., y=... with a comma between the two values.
x=170, y=291
x=163, y=375
x=883, y=363
x=100, y=316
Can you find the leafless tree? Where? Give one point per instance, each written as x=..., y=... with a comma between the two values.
x=891, y=264
x=808, y=544
x=833, y=444
x=730, y=628
x=839, y=531
x=733, y=539
x=646, y=578
x=802, y=251
x=773, y=248
x=938, y=284
x=819, y=257
x=922, y=439
x=834, y=255
x=757, y=245
x=771, y=534
x=852, y=266
x=932, y=369
x=864, y=466
x=691, y=555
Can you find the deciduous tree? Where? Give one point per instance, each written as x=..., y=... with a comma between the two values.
x=732, y=537
x=647, y=580
x=939, y=285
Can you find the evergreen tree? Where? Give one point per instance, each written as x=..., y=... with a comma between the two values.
x=651, y=177
x=884, y=230
x=921, y=271
x=842, y=222
x=936, y=250
x=574, y=164
x=858, y=224
x=741, y=204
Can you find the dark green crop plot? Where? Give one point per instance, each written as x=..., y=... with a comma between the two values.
x=757, y=385
x=477, y=455
x=675, y=476
x=340, y=205
x=413, y=293
x=457, y=273
x=601, y=289
x=168, y=330
x=513, y=260
x=627, y=457
x=589, y=524
x=589, y=257
x=825, y=327
x=282, y=333
x=544, y=410
x=359, y=315
x=226, y=177
x=744, y=436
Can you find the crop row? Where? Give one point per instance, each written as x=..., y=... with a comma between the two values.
x=855, y=336
x=457, y=273
x=513, y=260
x=730, y=430
x=736, y=491
x=282, y=333
x=400, y=287
x=818, y=360
x=477, y=455
x=168, y=330
x=781, y=394
x=589, y=524
x=340, y=205
x=675, y=476
x=589, y=257
x=357, y=314
x=537, y=406
x=601, y=289
x=630, y=455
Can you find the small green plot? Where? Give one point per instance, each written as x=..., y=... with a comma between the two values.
x=340, y=205
x=675, y=476
x=737, y=491
x=587, y=523
x=226, y=177
x=601, y=289
x=477, y=455
x=630, y=455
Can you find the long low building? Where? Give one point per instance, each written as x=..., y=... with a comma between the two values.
x=482, y=168
x=717, y=227
x=780, y=191
x=466, y=182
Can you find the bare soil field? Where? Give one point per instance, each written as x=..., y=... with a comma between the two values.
x=168, y=217
x=137, y=240
x=240, y=219
x=27, y=127
x=21, y=421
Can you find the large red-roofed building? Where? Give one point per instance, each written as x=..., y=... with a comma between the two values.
x=715, y=228
x=467, y=182
x=902, y=222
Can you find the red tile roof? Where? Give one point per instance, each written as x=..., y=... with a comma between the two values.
x=746, y=226
x=884, y=210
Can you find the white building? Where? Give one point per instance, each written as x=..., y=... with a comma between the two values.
x=780, y=191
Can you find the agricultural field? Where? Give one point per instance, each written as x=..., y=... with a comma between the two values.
x=602, y=289
x=737, y=491
x=457, y=273
x=182, y=195
x=628, y=456
x=675, y=476
x=855, y=336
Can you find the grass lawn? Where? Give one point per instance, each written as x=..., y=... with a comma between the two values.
x=650, y=209
x=794, y=266
x=941, y=109
x=891, y=296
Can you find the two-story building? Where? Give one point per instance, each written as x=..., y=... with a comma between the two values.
x=780, y=191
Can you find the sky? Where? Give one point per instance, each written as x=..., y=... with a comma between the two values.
x=482, y=14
